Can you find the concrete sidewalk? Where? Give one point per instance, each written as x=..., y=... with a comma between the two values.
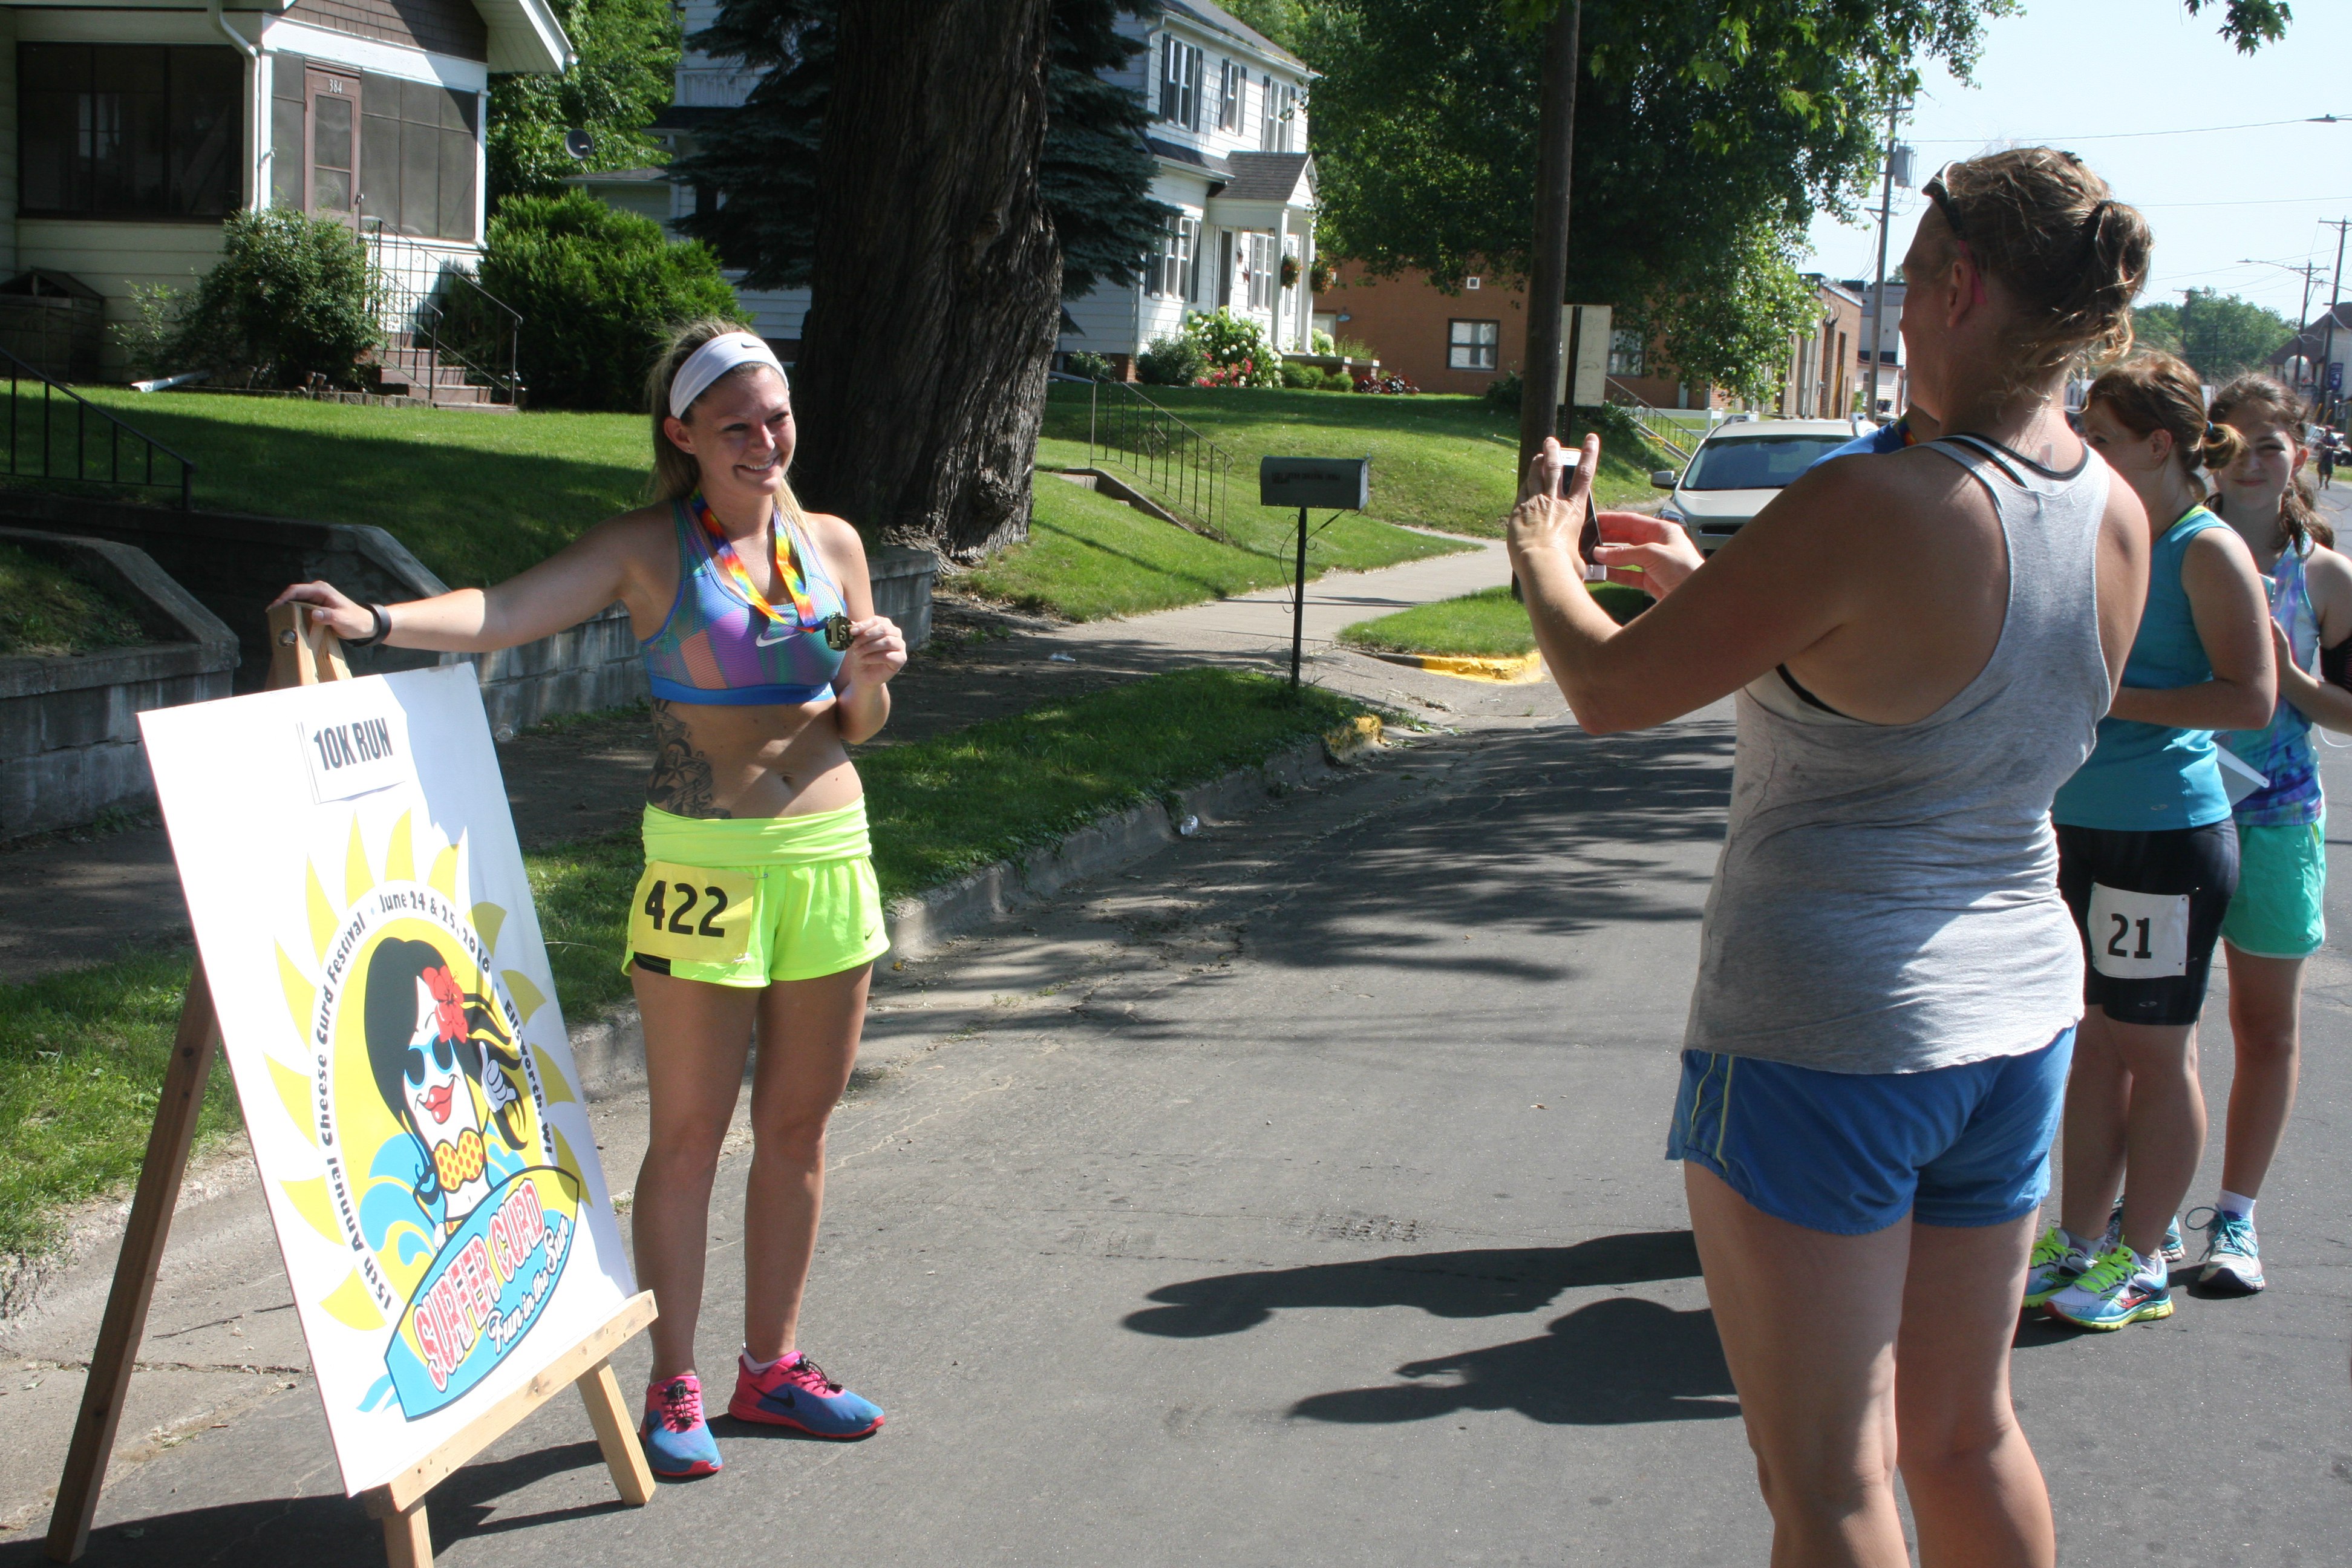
x=79, y=899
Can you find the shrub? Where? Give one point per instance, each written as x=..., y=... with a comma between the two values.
x=1504, y=391
x=1354, y=348
x=1300, y=377
x=1336, y=381
x=1322, y=342
x=1392, y=384
x=1171, y=361
x=1093, y=366
x=1235, y=345
x=288, y=301
x=598, y=290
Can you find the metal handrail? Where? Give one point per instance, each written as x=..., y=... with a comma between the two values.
x=1635, y=409
x=1181, y=469
x=426, y=315
x=116, y=429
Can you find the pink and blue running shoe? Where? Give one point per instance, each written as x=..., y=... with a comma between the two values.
x=796, y=1392
x=679, y=1444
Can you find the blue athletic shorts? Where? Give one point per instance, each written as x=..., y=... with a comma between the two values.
x=1850, y=1153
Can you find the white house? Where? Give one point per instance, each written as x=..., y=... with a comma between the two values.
x=1229, y=133
x=136, y=126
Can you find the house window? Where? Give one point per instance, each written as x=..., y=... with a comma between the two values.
x=1233, y=87
x=418, y=149
x=1179, y=82
x=1260, y=262
x=129, y=131
x=1280, y=129
x=1171, y=272
x=1473, y=345
x=1625, y=352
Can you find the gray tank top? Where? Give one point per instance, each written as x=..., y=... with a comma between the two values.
x=1887, y=898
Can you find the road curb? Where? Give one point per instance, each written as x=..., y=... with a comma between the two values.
x=610, y=1051
x=1508, y=671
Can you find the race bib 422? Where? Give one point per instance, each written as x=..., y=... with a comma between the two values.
x=691, y=913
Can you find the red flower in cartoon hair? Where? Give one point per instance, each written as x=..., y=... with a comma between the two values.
x=448, y=1003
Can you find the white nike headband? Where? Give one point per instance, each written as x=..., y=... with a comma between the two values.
x=714, y=358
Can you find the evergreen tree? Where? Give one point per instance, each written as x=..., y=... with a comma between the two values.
x=627, y=66
x=1094, y=174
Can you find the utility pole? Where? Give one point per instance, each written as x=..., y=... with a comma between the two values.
x=1548, y=285
x=1878, y=296
x=2309, y=272
x=2334, y=298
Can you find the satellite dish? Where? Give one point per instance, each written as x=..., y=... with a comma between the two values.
x=580, y=144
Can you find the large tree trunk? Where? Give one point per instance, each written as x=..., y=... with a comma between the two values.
x=937, y=281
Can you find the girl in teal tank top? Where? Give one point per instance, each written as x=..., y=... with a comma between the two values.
x=2148, y=858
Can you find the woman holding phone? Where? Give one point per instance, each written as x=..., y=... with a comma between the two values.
x=2148, y=858
x=1922, y=646
x=757, y=915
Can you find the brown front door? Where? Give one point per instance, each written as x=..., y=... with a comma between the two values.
x=331, y=146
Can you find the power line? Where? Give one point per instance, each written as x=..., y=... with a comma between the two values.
x=2129, y=135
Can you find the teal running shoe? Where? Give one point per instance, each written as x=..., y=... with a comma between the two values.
x=2113, y=1292
x=2174, y=1249
x=677, y=1441
x=2234, y=1258
x=2056, y=1261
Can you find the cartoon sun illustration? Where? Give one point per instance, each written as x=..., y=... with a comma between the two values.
x=440, y=1182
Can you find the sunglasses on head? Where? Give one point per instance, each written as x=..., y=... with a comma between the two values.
x=443, y=1058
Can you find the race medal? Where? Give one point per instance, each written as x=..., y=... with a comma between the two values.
x=694, y=914
x=836, y=633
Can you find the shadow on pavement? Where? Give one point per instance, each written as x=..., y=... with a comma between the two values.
x=308, y=1531
x=1489, y=1282
x=1615, y=1362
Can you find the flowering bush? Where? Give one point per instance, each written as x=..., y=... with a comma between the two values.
x=1391, y=384
x=1171, y=362
x=1236, y=346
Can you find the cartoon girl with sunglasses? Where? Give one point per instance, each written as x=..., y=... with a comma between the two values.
x=428, y=1042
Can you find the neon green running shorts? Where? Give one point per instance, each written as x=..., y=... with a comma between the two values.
x=2278, y=911
x=749, y=901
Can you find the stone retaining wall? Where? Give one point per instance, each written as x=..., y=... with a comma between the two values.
x=69, y=726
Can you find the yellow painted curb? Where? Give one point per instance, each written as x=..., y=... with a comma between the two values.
x=1508, y=672
x=1358, y=734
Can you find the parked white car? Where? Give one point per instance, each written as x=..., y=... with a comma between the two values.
x=1739, y=468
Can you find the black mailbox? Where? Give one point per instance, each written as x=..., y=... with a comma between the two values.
x=1344, y=482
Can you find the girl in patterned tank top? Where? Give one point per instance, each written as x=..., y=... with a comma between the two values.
x=2275, y=920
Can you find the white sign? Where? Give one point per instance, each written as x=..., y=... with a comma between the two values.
x=385, y=1003
x=2138, y=936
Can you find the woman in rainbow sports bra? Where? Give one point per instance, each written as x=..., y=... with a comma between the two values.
x=2275, y=919
x=756, y=913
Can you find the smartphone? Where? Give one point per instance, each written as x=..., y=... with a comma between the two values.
x=1589, y=540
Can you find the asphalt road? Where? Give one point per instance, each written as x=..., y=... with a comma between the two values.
x=1301, y=1201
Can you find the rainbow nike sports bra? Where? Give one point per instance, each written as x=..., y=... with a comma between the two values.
x=716, y=649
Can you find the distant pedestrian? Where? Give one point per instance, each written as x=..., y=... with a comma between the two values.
x=2276, y=920
x=1888, y=980
x=2327, y=450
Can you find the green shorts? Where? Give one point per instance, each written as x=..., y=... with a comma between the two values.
x=750, y=901
x=2279, y=909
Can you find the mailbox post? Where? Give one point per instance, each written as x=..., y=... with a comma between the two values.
x=1344, y=484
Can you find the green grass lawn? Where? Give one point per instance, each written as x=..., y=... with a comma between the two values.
x=1089, y=556
x=81, y=1055
x=1488, y=624
x=1438, y=461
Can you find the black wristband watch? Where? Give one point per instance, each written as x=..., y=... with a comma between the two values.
x=383, y=629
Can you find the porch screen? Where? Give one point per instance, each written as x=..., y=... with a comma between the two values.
x=129, y=131
x=417, y=149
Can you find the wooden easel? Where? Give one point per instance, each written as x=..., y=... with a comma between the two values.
x=303, y=655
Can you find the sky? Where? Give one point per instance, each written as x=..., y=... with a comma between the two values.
x=2095, y=78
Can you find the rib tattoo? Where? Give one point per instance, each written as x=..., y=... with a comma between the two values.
x=682, y=782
